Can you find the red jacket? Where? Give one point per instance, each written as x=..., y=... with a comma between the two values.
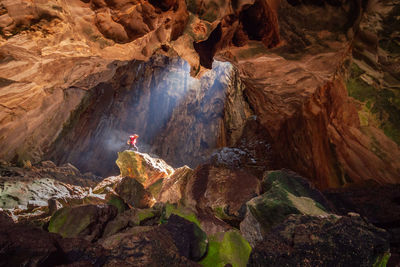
x=132, y=140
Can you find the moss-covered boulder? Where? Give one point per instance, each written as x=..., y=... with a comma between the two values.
x=285, y=193
x=133, y=193
x=181, y=211
x=227, y=248
x=116, y=201
x=142, y=167
x=130, y=218
x=294, y=184
x=86, y=221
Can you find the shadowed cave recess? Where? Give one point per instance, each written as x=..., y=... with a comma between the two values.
x=269, y=133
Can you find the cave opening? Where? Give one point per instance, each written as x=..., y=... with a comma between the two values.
x=178, y=118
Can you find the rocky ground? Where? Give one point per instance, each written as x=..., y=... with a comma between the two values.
x=217, y=214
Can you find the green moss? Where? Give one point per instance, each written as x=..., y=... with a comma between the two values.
x=144, y=214
x=271, y=208
x=57, y=221
x=68, y=225
x=118, y=203
x=219, y=212
x=382, y=260
x=382, y=103
x=212, y=258
x=360, y=90
x=392, y=131
x=200, y=246
x=284, y=195
x=282, y=180
x=227, y=248
x=182, y=212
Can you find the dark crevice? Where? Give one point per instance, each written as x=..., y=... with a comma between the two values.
x=164, y=5
x=259, y=23
x=206, y=49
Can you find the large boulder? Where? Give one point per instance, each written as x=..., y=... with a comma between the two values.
x=285, y=193
x=142, y=167
x=190, y=240
x=303, y=240
x=380, y=204
x=118, y=189
x=34, y=192
x=227, y=249
x=133, y=193
x=222, y=190
x=21, y=192
x=86, y=221
x=173, y=187
x=154, y=247
x=107, y=184
x=128, y=219
x=24, y=245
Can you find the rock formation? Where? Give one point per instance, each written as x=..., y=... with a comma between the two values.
x=124, y=227
x=246, y=111
x=294, y=74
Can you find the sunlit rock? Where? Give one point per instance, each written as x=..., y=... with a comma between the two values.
x=21, y=193
x=107, y=184
x=142, y=167
x=33, y=194
x=173, y=187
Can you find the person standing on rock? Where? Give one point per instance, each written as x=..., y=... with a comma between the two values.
x=132, y=142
